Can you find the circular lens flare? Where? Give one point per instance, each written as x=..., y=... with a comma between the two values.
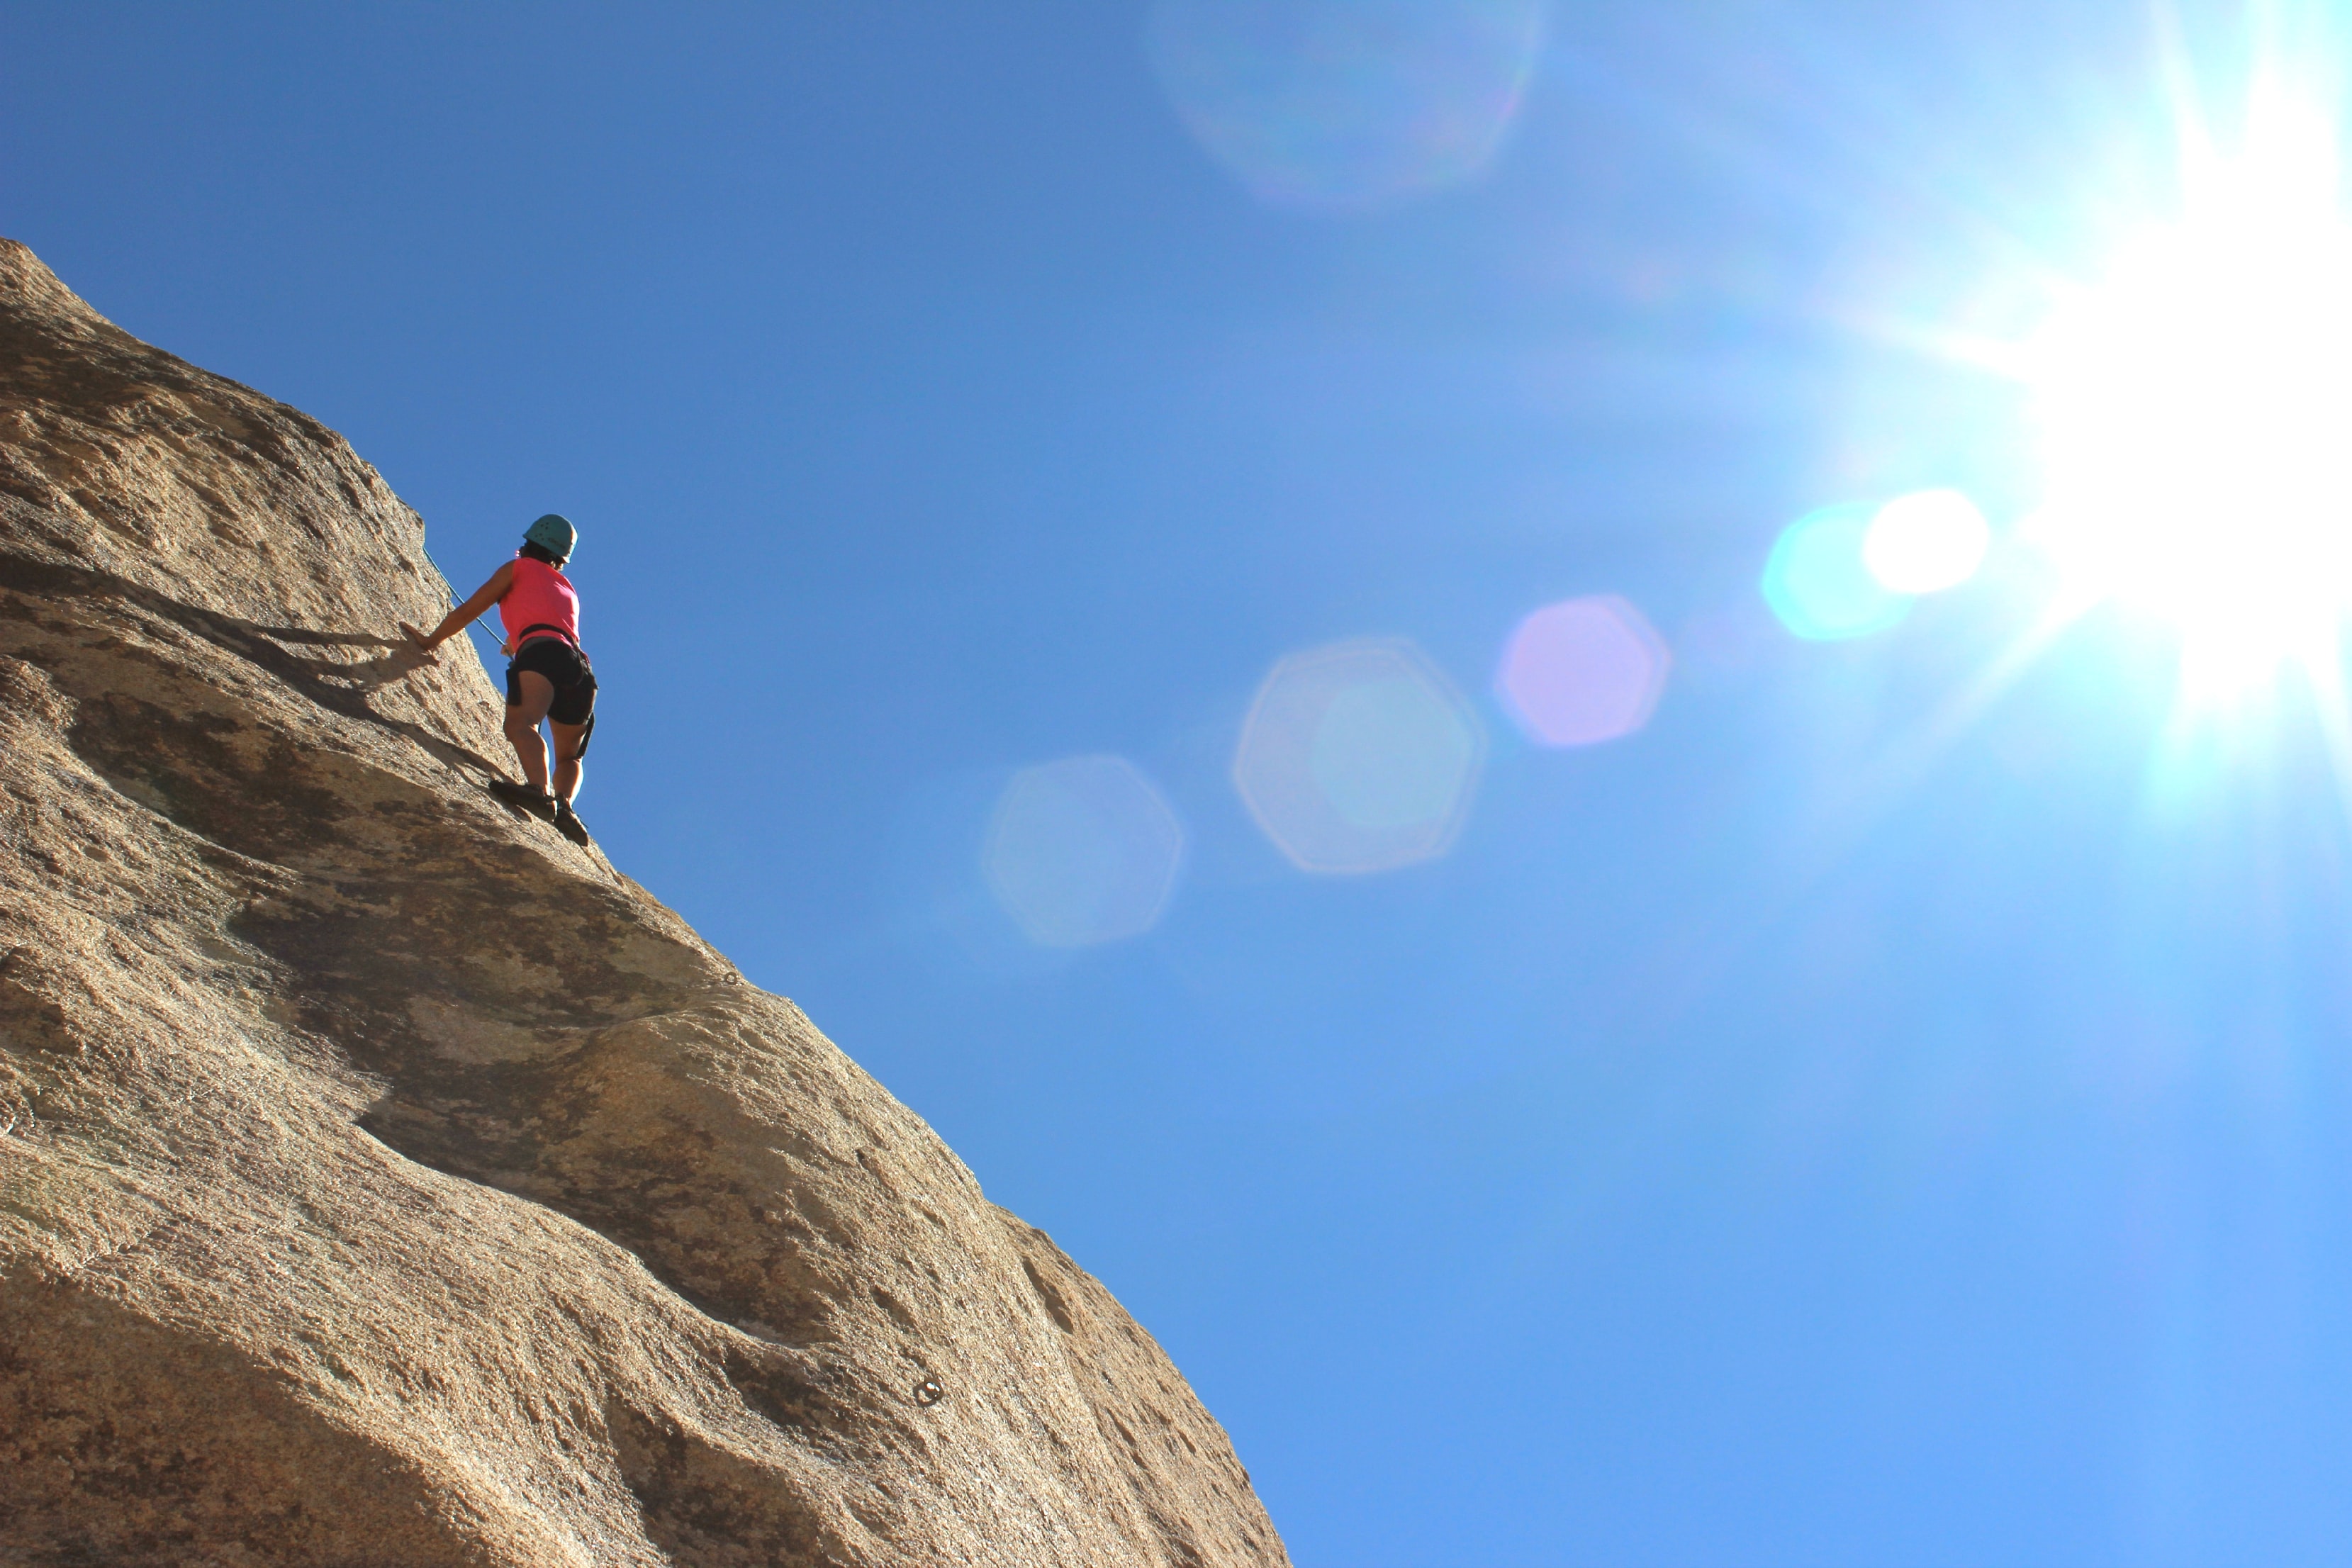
x=2193, y=408
x=1926, y=542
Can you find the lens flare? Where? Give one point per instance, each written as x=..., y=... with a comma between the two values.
x=1339, y=105
x=1081, y=851
x=1582, y=671
x=1926, y=542
x=1819, y=584
x=2194, y=406
x=1358, y=757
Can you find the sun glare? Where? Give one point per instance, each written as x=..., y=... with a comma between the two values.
x=2196, y=407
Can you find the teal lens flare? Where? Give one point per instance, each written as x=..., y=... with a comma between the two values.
x=1819, y=582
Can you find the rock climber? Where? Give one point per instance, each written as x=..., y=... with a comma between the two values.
x=548, y=675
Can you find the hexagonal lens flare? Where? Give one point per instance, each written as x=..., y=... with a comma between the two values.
x=1582, y=671
x=1081, y=851
x=1358, y=756
x=1347, y=104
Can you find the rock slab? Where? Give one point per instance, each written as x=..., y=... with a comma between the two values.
x=384, y=1180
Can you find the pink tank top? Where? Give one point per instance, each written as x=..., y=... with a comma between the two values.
x=540, y=596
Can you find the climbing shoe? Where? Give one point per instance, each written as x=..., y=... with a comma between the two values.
x=539, y=804
x=567, y=823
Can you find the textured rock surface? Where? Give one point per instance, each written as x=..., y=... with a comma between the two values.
x=384, y=1180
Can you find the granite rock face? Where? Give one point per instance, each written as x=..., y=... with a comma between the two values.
x=384, y=1180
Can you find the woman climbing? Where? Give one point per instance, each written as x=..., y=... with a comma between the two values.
x=548, y=675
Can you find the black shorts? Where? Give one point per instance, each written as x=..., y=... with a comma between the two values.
x=566, y=668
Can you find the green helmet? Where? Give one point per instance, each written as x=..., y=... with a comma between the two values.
x=554, y=535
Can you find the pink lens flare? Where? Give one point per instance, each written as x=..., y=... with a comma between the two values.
x=1583, y=671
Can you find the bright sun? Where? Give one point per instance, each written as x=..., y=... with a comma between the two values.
x=2196, y=407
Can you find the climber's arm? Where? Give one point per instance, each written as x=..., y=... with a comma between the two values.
x=467, y=614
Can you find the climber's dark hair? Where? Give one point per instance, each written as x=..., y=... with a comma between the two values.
x=539, y=552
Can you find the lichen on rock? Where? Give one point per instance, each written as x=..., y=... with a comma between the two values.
x=384, y=1180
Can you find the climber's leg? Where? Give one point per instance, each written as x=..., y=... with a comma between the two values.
x=529, y=696
x=568, y=719
x=568, y=740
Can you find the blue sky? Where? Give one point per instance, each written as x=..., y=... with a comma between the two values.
x=1865, y=1116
